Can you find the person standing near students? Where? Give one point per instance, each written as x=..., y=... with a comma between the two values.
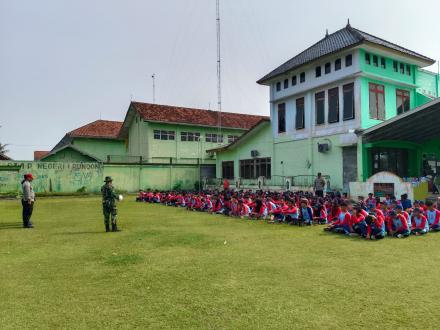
x=28, y=200
x=319, y=185
x=109, y=199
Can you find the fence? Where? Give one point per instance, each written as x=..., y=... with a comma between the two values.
x=117, y=159
x=303, y=182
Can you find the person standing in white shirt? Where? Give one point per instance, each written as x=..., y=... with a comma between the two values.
x=28, y=200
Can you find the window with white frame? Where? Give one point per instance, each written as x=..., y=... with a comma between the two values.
x=232, y=138
x=215, y=138
x=189, y=136
x=164, y=135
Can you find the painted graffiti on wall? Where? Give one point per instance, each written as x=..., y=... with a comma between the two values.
x=53, y=177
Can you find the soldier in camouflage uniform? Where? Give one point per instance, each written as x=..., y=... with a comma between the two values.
x=109, y=204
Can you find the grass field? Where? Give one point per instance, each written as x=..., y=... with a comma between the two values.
x=170, y=268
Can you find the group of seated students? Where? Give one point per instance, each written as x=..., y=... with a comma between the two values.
x=369, y=218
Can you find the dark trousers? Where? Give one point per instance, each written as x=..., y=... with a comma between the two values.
x=27, y=212
x=319, y=193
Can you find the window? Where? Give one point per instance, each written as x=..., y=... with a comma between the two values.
x=348, y=60
x=286, y=83
x=320, y=108
x=402, y=101
x=299, y=120
x=228, y=170
x=215, y=138
x=302, y=77
x=318, y=71
x=375, y=60
x=408, y=69
x=377, y=101
x=328, y=68
x=164, y=135
x=282, y=118
x=232, y=138
x=333, y=105
x=338, y=64
x=390, y=159
x=402, y=68
x=383, y=64
x=395, y=66
x=293, y=80
x=278, y=86
x=348, y=91
x=254, y=168
x=189, y=136
x=367, y=58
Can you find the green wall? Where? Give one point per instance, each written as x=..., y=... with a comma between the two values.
x=70, y=177
x=142, y=142
x=68, y=155
x=100, y=148
x=390, y=101
x=289, y=157
x=54, y=176
x=261, y=140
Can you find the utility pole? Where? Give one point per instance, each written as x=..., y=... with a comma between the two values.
x=219, y=81
x=153, y=77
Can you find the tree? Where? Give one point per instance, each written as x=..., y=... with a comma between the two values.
x=3, y=149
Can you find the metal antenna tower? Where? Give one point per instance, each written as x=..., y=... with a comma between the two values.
x=219, y=81
x=153, y=76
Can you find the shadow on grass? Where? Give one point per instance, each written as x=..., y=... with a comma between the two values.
x=69, y=233
x=10, y=225
x=346, y=237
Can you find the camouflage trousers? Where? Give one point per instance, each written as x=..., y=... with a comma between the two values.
x=110, y=212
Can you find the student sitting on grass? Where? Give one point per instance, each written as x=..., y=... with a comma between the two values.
x=433, y=216
x=320, y=214
x=375, y=227
x=305, y=214
x=397, y=225
x=419, y=223
x=342, y=224
x=244, y=209
x=357, y=220
x=290, y=213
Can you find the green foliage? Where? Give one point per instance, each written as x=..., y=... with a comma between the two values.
x=174, y=269
x=82, y=189
x=178, y=186
x=197, y=186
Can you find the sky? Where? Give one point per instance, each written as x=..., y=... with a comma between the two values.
x=65, y=63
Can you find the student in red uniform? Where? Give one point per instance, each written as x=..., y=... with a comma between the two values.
x=419, y=223
x=397, y=225
x=357, y=220
x=375, y=228
x=433, y=216
x=342, y=224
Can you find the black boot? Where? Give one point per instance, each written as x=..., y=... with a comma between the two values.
x=107, y=227
x=115, y=227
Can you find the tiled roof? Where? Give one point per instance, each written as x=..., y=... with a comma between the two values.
x=98, y=129
x=180, y=115
x=38, y=154
x=344, y=38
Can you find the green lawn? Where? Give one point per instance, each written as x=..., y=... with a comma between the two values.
x=170, y=268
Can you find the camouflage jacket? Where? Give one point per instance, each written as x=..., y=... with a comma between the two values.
x=108, y=195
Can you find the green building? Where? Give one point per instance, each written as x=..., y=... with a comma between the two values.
x=90, y=143
x=325, y=103
x=156, y=146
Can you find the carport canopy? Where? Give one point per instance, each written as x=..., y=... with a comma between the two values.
x=418, y=125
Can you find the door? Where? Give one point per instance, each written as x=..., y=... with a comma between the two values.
x=207, y=171
x=349, y=166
